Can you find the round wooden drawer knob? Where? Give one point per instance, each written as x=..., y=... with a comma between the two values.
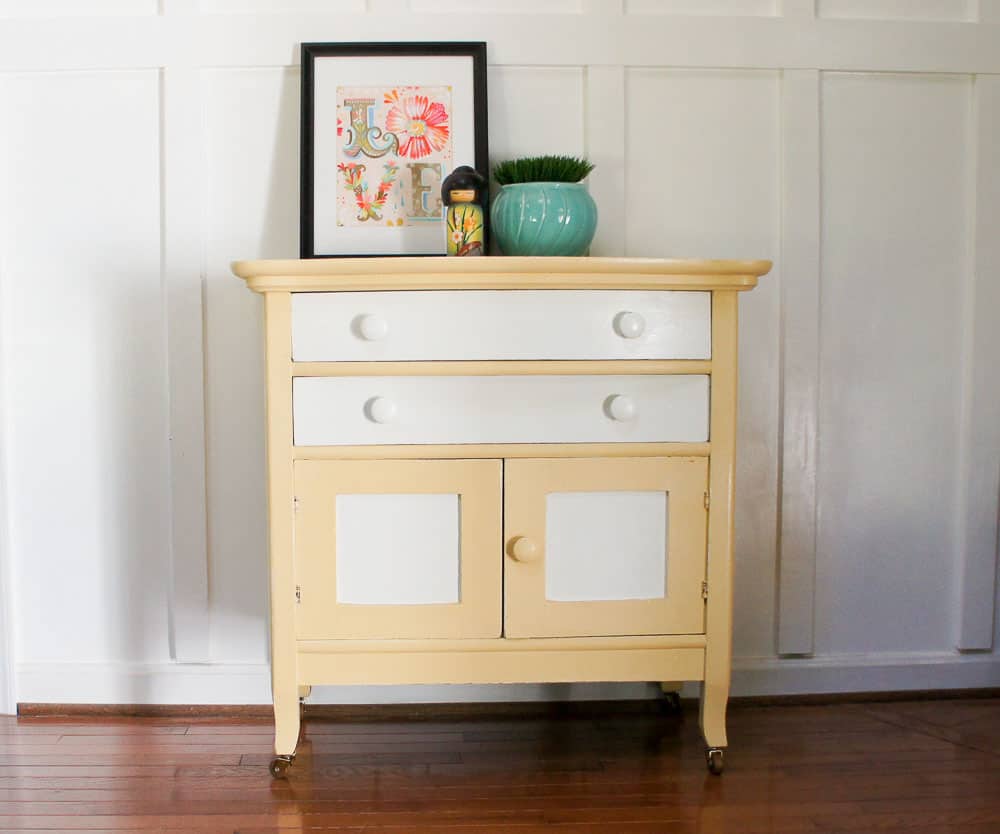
x=620, y=408
x=523, y=549
x=380, y=410
x=372, y=328
x=629, y=325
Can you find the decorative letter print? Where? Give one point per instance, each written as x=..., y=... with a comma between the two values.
x=393, y=150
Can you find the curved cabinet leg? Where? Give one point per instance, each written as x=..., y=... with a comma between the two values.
x=286, y=721
x=712, y=720
x=287, y=724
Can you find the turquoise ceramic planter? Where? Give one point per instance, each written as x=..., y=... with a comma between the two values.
x=544, y=218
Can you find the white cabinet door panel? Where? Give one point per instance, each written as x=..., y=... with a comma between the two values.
x=427, y=325
x=358, y=411
x=630, y=524
x=397, y=549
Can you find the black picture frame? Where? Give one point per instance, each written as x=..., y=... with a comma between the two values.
x=315, y=198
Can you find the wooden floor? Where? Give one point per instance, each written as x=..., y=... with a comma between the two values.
x=930, y=767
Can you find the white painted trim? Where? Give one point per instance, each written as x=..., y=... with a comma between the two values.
x=800, y=348
x=613, y=7
x=144, y=683
x=979, y=430
x=805, y=9
x=8, y=698
x=182, y=221
x=230, y=40
x=175, y=683
x=870, y=672
x=7, y=674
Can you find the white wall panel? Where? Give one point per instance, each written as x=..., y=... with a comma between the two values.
x=898, y=9
x=894, y=263
x=702, y=156
x=764, y=8
x=84, y=335
x=702, y=178
x=251, y=125
x=535, y=110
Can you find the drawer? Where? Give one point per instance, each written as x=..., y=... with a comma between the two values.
x=500, y=324
x=357, y=411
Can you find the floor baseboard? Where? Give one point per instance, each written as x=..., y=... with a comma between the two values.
x=492, y=709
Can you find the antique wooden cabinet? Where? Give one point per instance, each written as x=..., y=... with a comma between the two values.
x=491, y=470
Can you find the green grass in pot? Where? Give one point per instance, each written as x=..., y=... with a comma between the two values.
x=542, y=169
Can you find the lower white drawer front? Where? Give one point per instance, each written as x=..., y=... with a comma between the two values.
x=357, y=411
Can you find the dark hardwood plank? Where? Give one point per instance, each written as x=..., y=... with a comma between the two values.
x=924, y=767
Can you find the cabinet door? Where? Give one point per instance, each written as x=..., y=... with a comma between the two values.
x=407, y=549
x=604, y=547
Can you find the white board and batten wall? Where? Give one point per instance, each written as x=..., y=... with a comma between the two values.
x=147, y=144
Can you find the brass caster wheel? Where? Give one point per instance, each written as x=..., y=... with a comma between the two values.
x=279, y=766
x=671, y=702
x=715, y=760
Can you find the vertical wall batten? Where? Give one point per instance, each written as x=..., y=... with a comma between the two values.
x=7, y=658
x=800, y=300
x=182, y=253
x=604, y=134
x=979, y=466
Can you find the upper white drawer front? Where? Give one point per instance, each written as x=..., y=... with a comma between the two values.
x=639, y=408
x=500, y=324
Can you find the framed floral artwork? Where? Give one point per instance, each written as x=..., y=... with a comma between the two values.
x=382, y=125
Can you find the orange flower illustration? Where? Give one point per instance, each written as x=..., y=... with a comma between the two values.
x=420, y=124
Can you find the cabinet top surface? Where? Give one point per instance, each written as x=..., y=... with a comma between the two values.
x=494, y=272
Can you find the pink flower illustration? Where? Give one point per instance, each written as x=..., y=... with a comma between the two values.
x=420, y=124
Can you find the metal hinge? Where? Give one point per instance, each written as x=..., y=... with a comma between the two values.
x=704, y=590
x=708, y=499
x=298, y=593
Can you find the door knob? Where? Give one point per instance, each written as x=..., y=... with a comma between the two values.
x=629, y=325
x=522, y=549
x=371, y=328
x=380, y=410
x=620, y=408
